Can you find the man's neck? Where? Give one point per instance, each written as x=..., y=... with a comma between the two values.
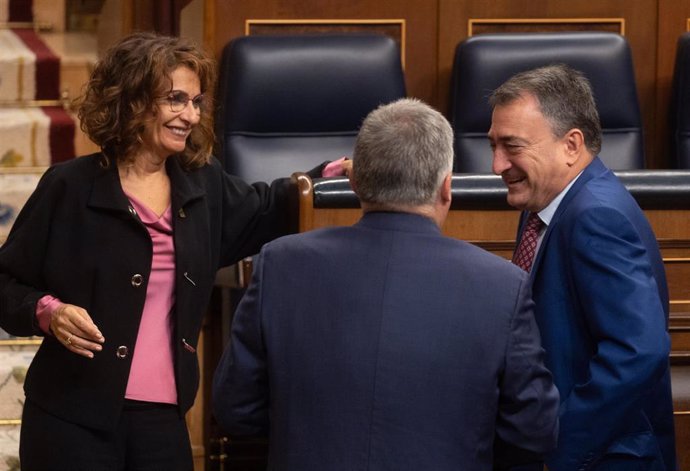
x=428, y=211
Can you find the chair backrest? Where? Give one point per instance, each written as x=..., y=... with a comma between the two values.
x=679, y=118
x=288, y=103
x=484, y=62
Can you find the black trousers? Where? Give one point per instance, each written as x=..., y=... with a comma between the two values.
x=149, y=437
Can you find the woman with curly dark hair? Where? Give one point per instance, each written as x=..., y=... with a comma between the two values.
x=113, y=260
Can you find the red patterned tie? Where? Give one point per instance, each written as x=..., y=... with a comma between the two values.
x=524, y=254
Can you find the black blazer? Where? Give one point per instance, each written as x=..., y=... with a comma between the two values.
x=79, y=239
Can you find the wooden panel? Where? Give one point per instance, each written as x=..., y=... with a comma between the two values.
x=392, y=28
x=120, y=21
x=640, y=30
x=536, y=25
x=682, y=424
x=679, y=327
x=678, y=274
x=672, y=229
x=420, y=28
x=680, y=382
x=673, y=21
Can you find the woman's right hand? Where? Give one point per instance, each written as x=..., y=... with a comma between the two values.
x=73, y=327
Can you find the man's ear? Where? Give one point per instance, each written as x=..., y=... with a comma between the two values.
x=445, y=193
x=574, y=143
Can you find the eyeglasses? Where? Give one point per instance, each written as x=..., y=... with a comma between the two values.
x=178, y=101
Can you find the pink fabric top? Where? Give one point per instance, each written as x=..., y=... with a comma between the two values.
x=152, y=376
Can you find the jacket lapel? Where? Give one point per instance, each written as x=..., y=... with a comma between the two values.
x=183, y=188
x=106, y=192
x=594, y=169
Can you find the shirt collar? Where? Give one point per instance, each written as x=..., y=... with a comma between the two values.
x=547, y=213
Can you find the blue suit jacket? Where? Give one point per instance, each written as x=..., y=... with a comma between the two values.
x=386, y=346
x=602, y=309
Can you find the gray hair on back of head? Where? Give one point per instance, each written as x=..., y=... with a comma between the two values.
x=403, y=152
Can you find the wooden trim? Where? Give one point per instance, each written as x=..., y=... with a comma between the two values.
x=673, y=244
x=35, y=25
x=127, y=17
x=331, y=21
x=20, y=342
x=679, y=322
x=10, y=422
x=22, y=170
x=687, y=24
x=305, y=188
x=33, y=103
x=209, y=32
x=523, y=21
x=494, y=245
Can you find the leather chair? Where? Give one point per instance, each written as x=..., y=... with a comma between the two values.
x=679, y=119
x=484, y=62
x=289, y=103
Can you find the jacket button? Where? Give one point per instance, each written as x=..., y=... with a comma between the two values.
x=137, y=280
x=132, y=211
x=122, y=352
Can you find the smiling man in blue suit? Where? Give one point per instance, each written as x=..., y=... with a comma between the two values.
x=385, y=345
x=598, y=278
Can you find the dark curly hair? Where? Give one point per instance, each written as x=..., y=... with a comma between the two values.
x=123, y=88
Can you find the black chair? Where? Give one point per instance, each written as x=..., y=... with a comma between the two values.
x=484, y=62
x=288, y=103
x=679, y=119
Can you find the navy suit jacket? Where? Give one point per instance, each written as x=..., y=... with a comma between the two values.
x=386, y=345
x=602, y=309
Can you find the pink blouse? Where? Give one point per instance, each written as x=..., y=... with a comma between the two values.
x=152, y=376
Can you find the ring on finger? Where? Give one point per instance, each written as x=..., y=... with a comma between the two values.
x=68, y=340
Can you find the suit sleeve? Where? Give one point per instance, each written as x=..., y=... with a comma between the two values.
x=527, y=423
x=624, y=315
x=240, y=383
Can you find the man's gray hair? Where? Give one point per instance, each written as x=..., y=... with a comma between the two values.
x=403, y=152
x=565, y=99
